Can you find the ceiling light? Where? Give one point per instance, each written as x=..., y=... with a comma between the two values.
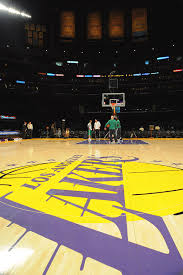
x=72, y=62
x=163, y=57
x=13, y=11
x=58, y=63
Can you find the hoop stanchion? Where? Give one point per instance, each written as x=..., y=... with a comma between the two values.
x=113, y=106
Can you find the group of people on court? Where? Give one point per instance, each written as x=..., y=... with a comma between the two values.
x=113, y=125
x=95, y=129
x=27, y=130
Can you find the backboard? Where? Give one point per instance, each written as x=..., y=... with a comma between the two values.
x=117, y=98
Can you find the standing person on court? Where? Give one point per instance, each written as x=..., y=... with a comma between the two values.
x=97, y=126
x=53, y=130
x=112, y=125
x=30, y=129
x=118, y=129
x=24, y=130
x=59, y=133
x=89, y=125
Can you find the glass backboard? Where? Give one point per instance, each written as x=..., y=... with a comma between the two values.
x=109, y=98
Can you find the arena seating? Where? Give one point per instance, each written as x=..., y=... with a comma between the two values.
x=125, y=134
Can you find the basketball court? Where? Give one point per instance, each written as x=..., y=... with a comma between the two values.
x=98, y=190
x=68, y=207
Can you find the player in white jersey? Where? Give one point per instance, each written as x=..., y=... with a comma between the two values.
x=97, y=126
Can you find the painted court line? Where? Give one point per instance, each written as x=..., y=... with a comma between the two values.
x=105, y=142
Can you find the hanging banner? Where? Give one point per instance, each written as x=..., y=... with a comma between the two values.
x=94, y=25
x=67, y=24
x=139, y=22
x=116, y=24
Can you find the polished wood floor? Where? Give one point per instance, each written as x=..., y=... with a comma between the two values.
x=76, y=209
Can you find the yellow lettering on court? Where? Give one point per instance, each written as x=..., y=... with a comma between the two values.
x=147, y=188
x=33, y=183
